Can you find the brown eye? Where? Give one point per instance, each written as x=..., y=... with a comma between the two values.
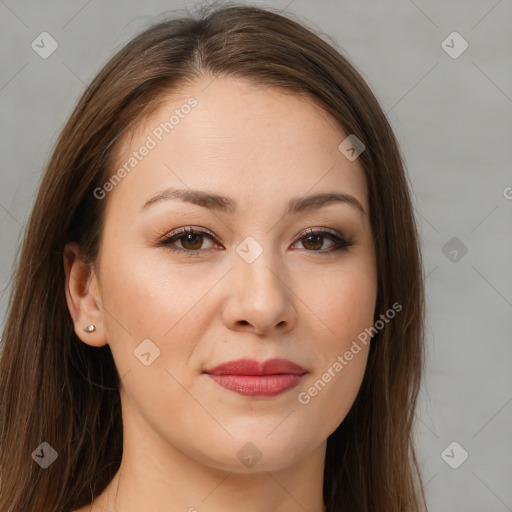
x=192, y=241
x=313, y=242
x=314, y=239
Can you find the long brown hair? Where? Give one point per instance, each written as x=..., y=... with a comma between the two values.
x=56, y=389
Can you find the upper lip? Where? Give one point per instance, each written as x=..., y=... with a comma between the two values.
x=254, y=367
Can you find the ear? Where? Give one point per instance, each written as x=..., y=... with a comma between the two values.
x=82, y=296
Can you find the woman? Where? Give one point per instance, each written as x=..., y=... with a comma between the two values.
x=219, y=292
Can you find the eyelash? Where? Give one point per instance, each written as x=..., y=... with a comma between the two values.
x=342, y=242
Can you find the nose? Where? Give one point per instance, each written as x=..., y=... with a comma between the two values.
x=259, y=298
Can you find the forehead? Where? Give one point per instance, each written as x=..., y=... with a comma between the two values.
x=229, y=134
x=219, y=105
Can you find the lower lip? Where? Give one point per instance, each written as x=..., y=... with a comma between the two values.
x=261, y=385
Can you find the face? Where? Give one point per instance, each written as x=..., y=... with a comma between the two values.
x=263, y=275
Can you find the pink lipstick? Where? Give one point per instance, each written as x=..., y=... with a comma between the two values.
x=253, y=378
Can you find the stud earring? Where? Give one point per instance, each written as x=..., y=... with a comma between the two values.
x=90, y=328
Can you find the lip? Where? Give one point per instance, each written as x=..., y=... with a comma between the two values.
x=250, y=377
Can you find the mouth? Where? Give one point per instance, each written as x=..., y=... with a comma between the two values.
x=250, y=377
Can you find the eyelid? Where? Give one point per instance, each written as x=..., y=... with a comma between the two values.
x=321, y=230
x=187, y=229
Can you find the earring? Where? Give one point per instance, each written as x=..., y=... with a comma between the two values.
x=90, y=328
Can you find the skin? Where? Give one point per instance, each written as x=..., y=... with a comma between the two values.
x=298, y=300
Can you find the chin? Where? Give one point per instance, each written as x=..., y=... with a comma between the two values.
x=254, y=454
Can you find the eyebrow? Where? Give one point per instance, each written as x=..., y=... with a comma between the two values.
x=226, y=204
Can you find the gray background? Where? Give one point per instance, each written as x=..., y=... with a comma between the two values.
x=453, y=119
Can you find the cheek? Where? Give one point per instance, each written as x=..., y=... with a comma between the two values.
x=344, y=303
x=328, y=396
x=346, y=308
x=145, y=295
x=150, y=310
x=141, y=302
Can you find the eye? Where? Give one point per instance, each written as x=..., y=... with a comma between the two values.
x=192, y=239
x=314, y=239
